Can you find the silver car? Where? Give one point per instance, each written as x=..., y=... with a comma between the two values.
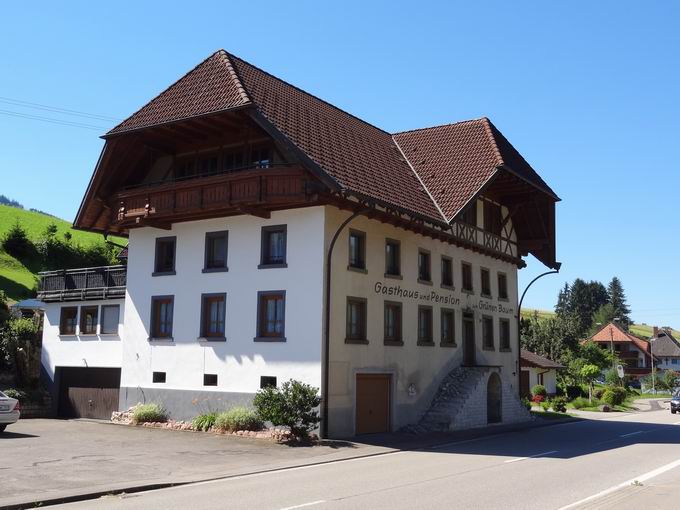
x=10, y=411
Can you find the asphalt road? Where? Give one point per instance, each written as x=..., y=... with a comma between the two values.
x=586, y=464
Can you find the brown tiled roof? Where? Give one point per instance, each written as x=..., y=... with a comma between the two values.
x=531, y=359
x=455, y=160
x=209, y=87
x=613, y=332
x=452, y=161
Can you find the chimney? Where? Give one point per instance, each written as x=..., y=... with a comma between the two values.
x=656, y=331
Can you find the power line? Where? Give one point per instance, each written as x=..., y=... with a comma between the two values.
x=55, y=109
x=52, y=120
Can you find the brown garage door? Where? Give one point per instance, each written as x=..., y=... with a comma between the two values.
x=88, y=392
x=373, y=403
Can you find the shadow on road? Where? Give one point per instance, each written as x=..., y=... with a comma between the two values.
x=8, y=434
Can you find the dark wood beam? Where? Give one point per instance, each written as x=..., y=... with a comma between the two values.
x=255, y=211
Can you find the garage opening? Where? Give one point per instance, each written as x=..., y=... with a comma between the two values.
x=373, y=403
x=493, y=399
x=88, y=392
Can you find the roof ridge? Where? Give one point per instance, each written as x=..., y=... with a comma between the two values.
x=231, y=55
x=166, y=89
x=438, y=126
x=408, y=163
x=237, y=79
x=492, y=140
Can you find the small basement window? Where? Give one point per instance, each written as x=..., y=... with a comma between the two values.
x=209, y=379
x=158, y=377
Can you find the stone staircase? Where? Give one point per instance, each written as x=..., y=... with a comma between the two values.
x=460, y=403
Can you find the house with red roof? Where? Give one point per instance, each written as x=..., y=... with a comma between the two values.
x=635, y=353
x=275, y=236
x=537, y=369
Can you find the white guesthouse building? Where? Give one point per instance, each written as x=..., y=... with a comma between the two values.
x=273, y=236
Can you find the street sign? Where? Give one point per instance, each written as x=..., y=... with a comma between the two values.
x=619, y=370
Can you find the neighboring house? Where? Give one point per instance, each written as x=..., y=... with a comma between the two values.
x=537, y=369
x=666, y=350
x=275, y=236
x=633, y=352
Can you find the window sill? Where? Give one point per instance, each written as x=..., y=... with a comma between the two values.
x=447, y=287
x=394, y=276
x=164, y=273
x=272, y=266
x=394, y=343
x=505, y=350
x=425, y=343
x=488, y=348
x=486, y=296
x=448, y=344
x=504, y=299
x=109, y=334
x=269, y=339
x=470, y=292
x=361, y=270
x=357, y=341
x=88, y=335
x=209, y=339
x=164, y=339
x=425, y=282
x=67, y=335
x=214, y=270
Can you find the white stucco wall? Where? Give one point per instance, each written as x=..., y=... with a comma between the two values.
x=240, y=361
x=80, y=350
x=549, y=378
x=410, y=364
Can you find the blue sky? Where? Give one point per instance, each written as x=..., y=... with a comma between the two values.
x=587, y=91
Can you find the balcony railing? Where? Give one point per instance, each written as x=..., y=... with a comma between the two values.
x=83, y=284
x=482, y=239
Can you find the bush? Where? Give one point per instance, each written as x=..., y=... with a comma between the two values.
x=581, y=402
x=149, y=413
x=574, y=391
x=559, y=404
x=614, y=395
x=204, y=422
x=537, y=399
x=611, y=378
x=546, y=404
x=539, y=389
x=598, y=393
x=238, y=418
x=20, y=395
x=293, y=405
x=526, y=403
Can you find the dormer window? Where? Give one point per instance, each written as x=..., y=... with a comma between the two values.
x=492, y=218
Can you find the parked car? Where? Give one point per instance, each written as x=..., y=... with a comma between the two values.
x=675, y=402
x=10, y=411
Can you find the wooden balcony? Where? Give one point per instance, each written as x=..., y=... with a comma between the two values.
x=487, y=241
x=252, y=191
x=106, y=282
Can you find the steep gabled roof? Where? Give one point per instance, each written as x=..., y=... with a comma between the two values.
x=613, y=332
x=456, y=160
x=531, y=359
x=665, y=345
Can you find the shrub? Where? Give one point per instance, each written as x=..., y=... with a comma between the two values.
x=149, y=413
x=539, y=389
x=598, y=393
x=238, y=418
x=20, y=395
x=537, y=399
x=559, y=404
x=204, y=421
x=526, y=403
x=17, y=243
x=614, y=395
x=293, y=405
x=581, y=402
x=611, y=378
x=546, y=404
x=574, y=391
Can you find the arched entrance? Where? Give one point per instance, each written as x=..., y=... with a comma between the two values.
x=494, y=399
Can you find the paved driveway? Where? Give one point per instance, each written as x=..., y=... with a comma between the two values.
x=46, y=459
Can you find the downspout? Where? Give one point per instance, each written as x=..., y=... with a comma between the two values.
x=327, y=323
x=519, y=318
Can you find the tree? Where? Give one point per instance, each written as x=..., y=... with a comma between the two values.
x=50, y=230
x=584, y=300
x=563, y=300
x=604, y=315
x=589, y=373
x=617, y=298
x=553, y=337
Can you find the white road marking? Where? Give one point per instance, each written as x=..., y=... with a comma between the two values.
x=642, y=478
x=677, y=423
x=311, y=503
x=632, y=433
x=529, y=457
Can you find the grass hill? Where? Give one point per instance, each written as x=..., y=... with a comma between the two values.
x=17, y=280
x=641, y=330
